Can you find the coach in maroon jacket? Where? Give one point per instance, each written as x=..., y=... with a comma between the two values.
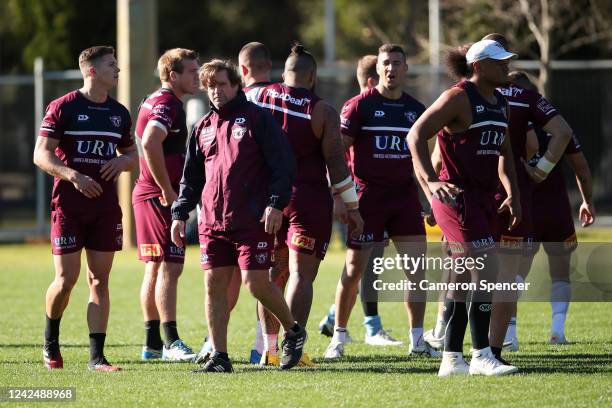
x=241, y=163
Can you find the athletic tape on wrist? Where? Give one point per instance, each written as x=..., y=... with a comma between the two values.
x=339, y=186
x=349, y=196
x=545, y=165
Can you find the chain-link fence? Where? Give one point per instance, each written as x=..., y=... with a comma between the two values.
x=582, y=91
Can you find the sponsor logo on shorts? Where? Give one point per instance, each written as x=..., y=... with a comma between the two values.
x=570, y=242
x=65, y=242
x=363, y=239
x=303, y=242
x=82, y=118
x=508, y=242
x=479, y=108
x=483, y=242
x=238, y=132
x=116, y=121
x=379, y=114
x=262, y=245
x=240, y=121
x=203, y=258
x=119, y=227
x=119, y=240
x=485, y=307
x=455, y=248
x=411, y=116
x=150, y=250
x=177, y=251
x=261, y=258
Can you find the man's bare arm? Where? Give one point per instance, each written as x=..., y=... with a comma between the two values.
x=47, y=161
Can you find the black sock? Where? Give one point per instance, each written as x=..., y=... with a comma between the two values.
x=448, y=311
x=295, y=329
x=52, y=334
x=220, y=355
x=153, y=339
x=96, y=347
x=480, y=316
x=170, y=332
x=367, y=293
x=370, y=308
x=496, y=351
x=455, y=326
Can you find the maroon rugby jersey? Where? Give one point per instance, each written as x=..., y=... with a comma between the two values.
x=470, y=158
x=89, y=134
x=252, y=91
x=380, y=154
x=292, y=108
x=164, y=110
x=525, y=106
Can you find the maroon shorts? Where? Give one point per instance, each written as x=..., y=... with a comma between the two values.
x=98, y=230
x=467, y=224
x=397, y=211
x=521, y=237
x=553, y=224
x=307, y=221
x=247, y=249
x=153, y=222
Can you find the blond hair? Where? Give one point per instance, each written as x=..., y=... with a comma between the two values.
x=172, y=60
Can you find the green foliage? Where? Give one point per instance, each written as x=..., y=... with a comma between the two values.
x=362, y=26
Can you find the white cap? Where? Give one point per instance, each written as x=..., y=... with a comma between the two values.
x=487, y=49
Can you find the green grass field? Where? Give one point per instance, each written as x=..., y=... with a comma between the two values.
x=576, y=375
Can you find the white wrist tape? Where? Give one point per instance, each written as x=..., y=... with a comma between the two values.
x=343, y=183
x=349, y=195
x=545, y=165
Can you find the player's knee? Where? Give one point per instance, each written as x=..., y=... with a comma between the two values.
x=171, y=270
x=98, y=282
x=257, y=287
x=65, y=283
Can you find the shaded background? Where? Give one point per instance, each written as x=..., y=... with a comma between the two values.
x=578, y=37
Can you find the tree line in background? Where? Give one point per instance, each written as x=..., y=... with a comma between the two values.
x=538, y=29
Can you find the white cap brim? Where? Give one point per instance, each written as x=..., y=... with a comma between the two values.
x=503, y=55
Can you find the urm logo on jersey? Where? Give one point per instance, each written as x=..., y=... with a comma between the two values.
x=390, y=147
x=492, y=137
x=97, y=147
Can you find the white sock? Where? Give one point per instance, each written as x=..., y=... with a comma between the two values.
x=259, y=339
x=558, y=323
x=440, y=326
x=449, y=354
x=519, y=279
x=560, y=299
x=339, y=335
x=271, y=344
x=416, y=336
x=511, y=332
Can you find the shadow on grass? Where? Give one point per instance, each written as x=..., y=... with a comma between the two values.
x=67, y=345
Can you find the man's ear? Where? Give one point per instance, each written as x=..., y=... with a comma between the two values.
x=244, y=70
x=172, y=76
x=372, y=82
